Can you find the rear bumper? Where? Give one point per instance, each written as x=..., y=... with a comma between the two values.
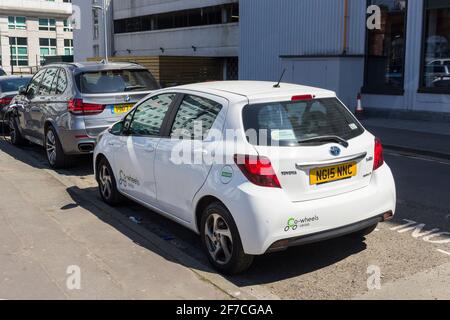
x=77, y=142
x=329, y=234
x=266, y=216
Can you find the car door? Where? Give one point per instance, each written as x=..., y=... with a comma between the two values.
x=136, y=148
x=180, y=169
x=41, y=103
x=24, y=105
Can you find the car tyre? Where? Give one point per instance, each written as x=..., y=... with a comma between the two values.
x=14, y=134
x=221, y=241
x=56, y=157
x=365, y=232
x=107, y=184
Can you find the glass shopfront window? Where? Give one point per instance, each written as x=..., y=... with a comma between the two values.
x=436, y=46
x=385, y=52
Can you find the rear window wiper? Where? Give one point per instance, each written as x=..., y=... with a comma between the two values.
x=132, y=88
x=336, y=139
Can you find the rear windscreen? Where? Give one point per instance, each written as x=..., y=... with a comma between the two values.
x=290, y=123
x=115, y=81
x=13, y=85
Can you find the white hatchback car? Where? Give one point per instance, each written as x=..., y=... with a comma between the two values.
x=252, y=167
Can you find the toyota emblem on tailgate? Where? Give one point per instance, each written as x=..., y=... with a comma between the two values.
x=335, y=151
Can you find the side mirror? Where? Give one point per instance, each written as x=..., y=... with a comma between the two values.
x=22, y=90
x=117, y=128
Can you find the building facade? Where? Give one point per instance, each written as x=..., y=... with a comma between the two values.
x=180, y=41
x=31, y=30
x=180, y=28
x=89, y=36
x=400, y=64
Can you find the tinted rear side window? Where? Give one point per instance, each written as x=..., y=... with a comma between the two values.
x=115, y=81
x=288, y=123
x=12, y=85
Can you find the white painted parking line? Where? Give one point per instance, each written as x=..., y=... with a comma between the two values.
x=444, y=252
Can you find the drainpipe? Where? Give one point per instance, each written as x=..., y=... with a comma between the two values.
x=345, y=36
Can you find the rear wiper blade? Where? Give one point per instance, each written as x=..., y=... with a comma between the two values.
x=132, y=88
x=336, y=139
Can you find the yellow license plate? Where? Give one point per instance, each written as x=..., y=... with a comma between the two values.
x=122, y=108
x=334, y=173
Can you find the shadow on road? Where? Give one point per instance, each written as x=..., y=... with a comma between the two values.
x=82, y=164
x=266, y=269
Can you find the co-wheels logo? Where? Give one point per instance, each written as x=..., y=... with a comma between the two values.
x=293, y=223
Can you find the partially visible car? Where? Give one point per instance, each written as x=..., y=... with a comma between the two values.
x=435, y=73
x=2, y=72
x=67, y=105
x=440, y=62
x=9, y=88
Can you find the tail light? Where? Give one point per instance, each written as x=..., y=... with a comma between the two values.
x=78, y=107
x=5, y=101
x=258, y=170
x=379, y=157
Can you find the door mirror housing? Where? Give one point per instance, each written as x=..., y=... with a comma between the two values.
x=117, y=128
x=22, y=90
x=30, y=93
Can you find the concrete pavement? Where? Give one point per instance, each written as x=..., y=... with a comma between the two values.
x=43, y=232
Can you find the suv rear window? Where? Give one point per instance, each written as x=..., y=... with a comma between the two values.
x=115, y=81
x=290, y=123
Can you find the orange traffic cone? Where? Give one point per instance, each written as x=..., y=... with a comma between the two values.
x=359, y=108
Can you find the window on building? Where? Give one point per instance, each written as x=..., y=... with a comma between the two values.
x=436, y=46
x=47, y=47
x=180, y=19
x=68, y=25
x=19, y=51
x=47, y=24
x=385, y=52
x=18, y=23
x=68, y=47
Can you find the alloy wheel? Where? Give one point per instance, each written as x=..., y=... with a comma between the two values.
x=105, y=181
x=50, y=146
x=219, y=240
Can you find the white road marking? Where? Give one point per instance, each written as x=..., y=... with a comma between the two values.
x=444, y=252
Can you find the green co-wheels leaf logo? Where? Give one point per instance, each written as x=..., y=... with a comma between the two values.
x=293, y=223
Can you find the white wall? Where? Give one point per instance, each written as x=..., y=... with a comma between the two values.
x=210, y=41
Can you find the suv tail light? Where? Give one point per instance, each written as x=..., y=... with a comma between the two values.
x=78, y=107
x=258, y=170
x=379, y=157
x=5, y=101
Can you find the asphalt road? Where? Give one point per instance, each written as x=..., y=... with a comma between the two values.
x=339, y=269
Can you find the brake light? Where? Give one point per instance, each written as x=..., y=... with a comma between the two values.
x=305, y=97
x=78, y=107
x=379, y=157
x=258, y=170
x=5, y=101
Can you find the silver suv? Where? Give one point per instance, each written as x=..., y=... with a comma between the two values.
x=66, y=106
